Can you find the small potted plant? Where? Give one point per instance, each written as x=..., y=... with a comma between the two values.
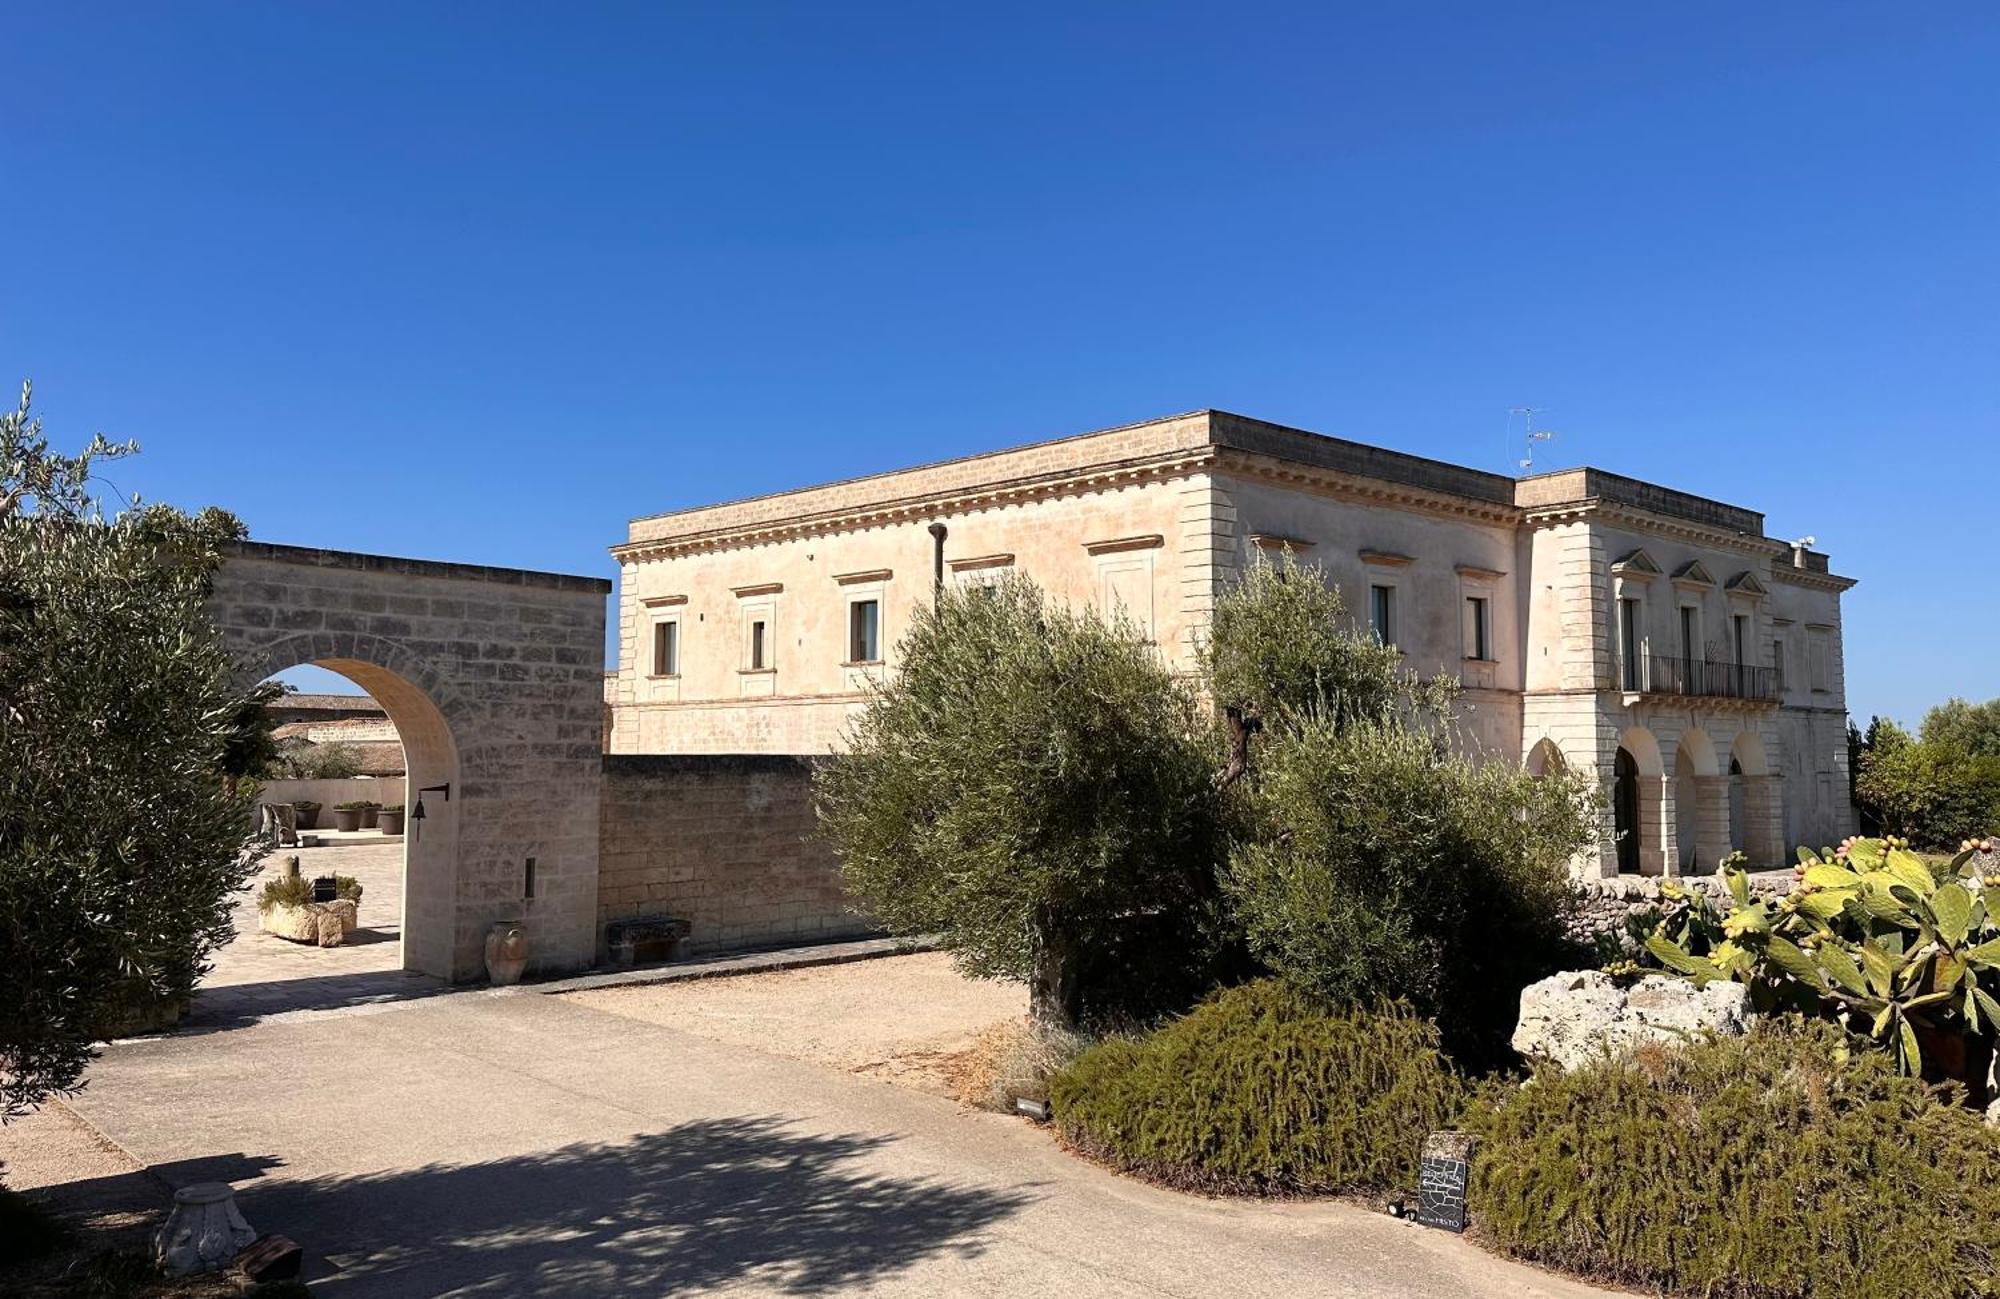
x=347, y=816
x=390, y=819
x=308, y=814
x=369, y=813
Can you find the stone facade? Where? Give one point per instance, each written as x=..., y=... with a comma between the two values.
x=493, y=678
x=727, y=844
x=1657, y=639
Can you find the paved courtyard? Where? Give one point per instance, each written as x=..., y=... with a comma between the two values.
x=260, y=975
x=514, y=1143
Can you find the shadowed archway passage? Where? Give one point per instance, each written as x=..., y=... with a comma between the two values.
x=494, y=679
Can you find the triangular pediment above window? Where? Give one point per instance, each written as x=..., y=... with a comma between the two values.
x=1744, y=583
x=1693, y=574
x=1635, y=563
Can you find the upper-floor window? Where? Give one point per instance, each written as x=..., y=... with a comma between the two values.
x=1382, y=613
x=1690, y=634
x=1819, y=666
x=667, y=648
x=1629, y=643
x=1477, y=629
x=760, y=646
x=1778, y=660
x=864, y=631
x=1739, y=625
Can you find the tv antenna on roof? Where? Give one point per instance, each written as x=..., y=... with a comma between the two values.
x=1533, y=434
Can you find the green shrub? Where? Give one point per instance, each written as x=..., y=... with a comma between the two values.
x=297, y=890
x=1773, y=1165
x=1263, y=1089
x=1938, y=791
x=1033, y=785
x=1378, y=867
x=27, y=1230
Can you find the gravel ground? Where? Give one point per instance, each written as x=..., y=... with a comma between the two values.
x=898, y=1018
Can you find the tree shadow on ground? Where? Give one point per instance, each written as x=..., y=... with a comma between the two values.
x=710, y=1203
x=239, y=1005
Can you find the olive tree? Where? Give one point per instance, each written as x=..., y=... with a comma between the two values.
x=1034, y=785
x=121, y=830
x=1370, y=857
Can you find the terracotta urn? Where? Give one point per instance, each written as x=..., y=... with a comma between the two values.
x=506, y=952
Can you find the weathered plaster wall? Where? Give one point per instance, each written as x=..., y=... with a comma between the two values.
x=724, y=842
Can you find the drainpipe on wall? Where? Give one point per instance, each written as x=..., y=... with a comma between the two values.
x=937, y=559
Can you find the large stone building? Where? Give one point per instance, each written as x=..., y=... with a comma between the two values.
x=1654, y=637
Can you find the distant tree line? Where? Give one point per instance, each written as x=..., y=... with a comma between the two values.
x=1939, y=787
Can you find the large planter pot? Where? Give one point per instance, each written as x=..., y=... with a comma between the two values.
x=347, y=818
x=323, y=924
x=1953, y=1055
x=371, y=816
x=390, y=820
x=506, y=952
x=308, y=815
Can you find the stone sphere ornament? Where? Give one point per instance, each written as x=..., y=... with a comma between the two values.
x=204, y=1231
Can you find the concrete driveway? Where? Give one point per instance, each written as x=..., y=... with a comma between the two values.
x=508, y=1143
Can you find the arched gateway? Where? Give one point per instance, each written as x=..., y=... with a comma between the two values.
x=494, y=679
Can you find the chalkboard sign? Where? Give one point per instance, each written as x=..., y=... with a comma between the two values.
x=1442, y=1177
x=325, y=889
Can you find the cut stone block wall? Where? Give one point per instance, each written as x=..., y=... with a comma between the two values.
x=723, y=841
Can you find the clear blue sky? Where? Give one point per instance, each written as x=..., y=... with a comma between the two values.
x=480, y=282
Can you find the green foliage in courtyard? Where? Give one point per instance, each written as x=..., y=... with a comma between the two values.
x=1370, y=860
x=1263, y=1089
x=297, y=891
x=1872, y=935
x=1775, y=1166
x=120, y=827
x=336, y=760
x=1034, y=785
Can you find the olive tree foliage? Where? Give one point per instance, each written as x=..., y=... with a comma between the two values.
x=1034, y=785
x=120, y=832
x=1371, y=860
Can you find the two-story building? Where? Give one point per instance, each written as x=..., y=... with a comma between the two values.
x=1656, y=638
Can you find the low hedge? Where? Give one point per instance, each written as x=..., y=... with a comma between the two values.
x=1261, y=1089
x=1775, y=1165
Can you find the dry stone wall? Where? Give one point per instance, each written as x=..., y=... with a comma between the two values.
x=725, y=842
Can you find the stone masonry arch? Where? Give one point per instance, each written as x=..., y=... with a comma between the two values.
x=494, y=679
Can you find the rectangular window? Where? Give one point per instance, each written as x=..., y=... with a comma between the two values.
x=1740, y=625
x=1477, y=642
x=1628, y=643
x=759, y=650
x=864, y=631
x=1778, y=660
x=667, y=649
x=1818, y=663
x=1382, y=613
x=1690, y=634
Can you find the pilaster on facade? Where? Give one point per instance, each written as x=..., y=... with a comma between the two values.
x=1208, y=558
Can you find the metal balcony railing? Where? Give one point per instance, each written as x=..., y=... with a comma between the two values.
x=1669, y=674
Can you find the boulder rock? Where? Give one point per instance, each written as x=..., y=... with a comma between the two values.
x=1573, y=1018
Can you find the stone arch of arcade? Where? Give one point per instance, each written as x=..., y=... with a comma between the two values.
x=494, y=679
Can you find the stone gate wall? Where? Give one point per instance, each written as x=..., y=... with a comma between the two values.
x=725, y=842
x=494, y=679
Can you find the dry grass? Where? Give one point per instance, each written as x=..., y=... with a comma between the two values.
x=1009, y=1060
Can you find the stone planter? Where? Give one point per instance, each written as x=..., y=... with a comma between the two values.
x=347, y=818
x=506, y=952
x=390, y=820
x=371, y=815
x=308, y=815
x=324, y=924
x=204, y=1231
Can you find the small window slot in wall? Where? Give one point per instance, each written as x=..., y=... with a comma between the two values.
x=759, y=645
x=864, y=631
